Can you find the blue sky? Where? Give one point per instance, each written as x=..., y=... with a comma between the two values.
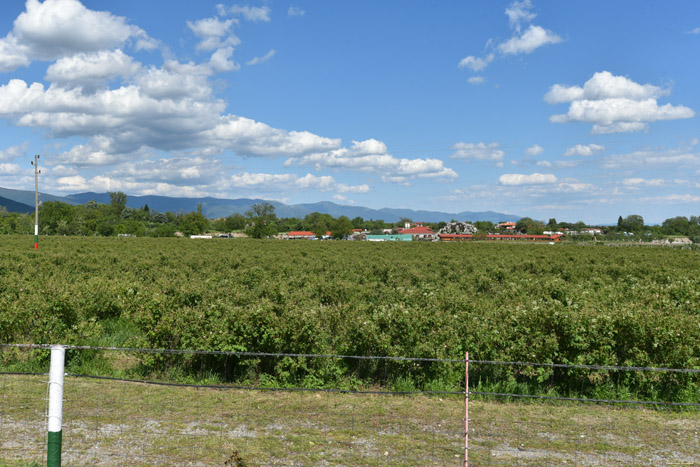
x=573, y=110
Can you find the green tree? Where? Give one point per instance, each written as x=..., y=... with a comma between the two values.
x=193, y=223
x=676, y=226
x=264, y=210
x=485, y=226
x=358, y=223
x=633, y=223
x=262, y=216
x=118, y=202
x=341, y=227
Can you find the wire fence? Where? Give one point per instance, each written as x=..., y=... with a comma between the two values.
x=227, y=408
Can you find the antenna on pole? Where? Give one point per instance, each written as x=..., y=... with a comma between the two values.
x=36, y=200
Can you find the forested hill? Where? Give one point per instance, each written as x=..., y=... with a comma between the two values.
x=14, y=206
x=216, y=207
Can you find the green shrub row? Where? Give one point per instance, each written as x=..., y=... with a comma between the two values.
x=593, y=305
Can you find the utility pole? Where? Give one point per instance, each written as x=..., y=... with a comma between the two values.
x=36, y=200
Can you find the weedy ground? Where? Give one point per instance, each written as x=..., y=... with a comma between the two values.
x=120, y=423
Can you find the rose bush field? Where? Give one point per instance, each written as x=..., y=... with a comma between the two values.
x=579, y=304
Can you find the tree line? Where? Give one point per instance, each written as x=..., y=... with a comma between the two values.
x=261, y=221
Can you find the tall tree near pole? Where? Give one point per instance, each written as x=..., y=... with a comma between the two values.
x=36, y=200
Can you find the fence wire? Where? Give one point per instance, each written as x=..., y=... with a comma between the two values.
x=236, y=414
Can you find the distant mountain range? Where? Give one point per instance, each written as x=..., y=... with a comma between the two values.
x=18, y=201
x=14, y=206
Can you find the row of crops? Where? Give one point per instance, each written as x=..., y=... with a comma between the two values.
x=574, y=304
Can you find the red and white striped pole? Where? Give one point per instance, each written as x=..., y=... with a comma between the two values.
x=36, y=200
x=466, y=409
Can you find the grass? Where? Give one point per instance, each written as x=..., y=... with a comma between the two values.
x=118, y=423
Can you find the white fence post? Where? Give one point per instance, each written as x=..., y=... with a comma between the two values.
x=53, y=457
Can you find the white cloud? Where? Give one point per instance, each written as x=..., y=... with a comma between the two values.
x=14, y=152
x=519, y=12
x=585, y=150
x=533, y=38
x=637, y=182
x=59, y=171
x=262, y=59
x=13, y=54
x=523, y=179
x=295, y=11
x=10, y=169
x=614, y=104
x=56, y=28
x=604, y=85
x=101, y=183
x=478, y=151
x=250, y=138
x=251, y=13
x=694, y=31
x=90, y=69
x=672, y=199
x=174, y=171
x=558, y=164
x=280, y=182
x=221, y=60
x=475, y=63
x=214, y=33
x=475, y=80
x=682, y=157
x=534, y=150
x=342, y=188
x=372, y=156
x=169, y=109
x=256, y=180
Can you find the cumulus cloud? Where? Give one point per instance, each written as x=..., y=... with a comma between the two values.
x=280, y=182
x=173, y=171
x=221, y=60
x=56, y=28
x=10, y=169
x=101, y=183
x=534, y=150
x=518, y=12
x=526, y=42
x=672, y=199
x=91, y=69
x=476, y=63
x=475, y=80
x=523, y=179
x=478, y=151
x=214, y=33
x=295, y=11
x=250, y=138
x=372, y=156
x=694, y=31
x=683, y=157
x=637, y=182
x=262, y=59
x=604, y=85
x=168, y=109
x=14, y=152
x=558, y=164
x=614, y=104
x=250, y=13
x=585, y=150
x=533, y=38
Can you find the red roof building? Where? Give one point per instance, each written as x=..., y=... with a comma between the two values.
x=299, y=234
